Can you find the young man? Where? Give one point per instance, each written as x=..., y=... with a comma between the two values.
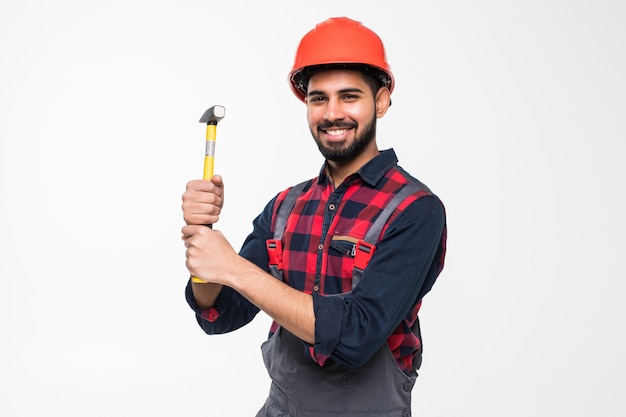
x=345, y=338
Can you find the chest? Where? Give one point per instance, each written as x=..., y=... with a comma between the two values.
x=321, y=234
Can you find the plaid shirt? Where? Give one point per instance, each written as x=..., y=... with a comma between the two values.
x=318, y=257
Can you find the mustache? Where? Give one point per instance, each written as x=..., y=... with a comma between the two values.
x=335, y=125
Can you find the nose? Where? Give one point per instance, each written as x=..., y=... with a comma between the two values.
x=333, y=110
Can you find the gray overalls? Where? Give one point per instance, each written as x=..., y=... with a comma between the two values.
x=302, y=388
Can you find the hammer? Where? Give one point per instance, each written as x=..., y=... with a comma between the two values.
x=213, y=115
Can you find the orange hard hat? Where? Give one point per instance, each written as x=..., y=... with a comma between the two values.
x=339, y=42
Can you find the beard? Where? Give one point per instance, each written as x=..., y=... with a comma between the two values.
x=340, y=152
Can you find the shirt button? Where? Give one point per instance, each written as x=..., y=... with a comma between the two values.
x=331, y=207
x=316, y=288
x=320, y=247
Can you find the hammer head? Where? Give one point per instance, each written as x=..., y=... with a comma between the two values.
x=213, y=115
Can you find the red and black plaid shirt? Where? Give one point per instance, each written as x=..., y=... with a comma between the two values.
x=318, y=256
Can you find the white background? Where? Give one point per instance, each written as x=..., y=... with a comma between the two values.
x=511, y=111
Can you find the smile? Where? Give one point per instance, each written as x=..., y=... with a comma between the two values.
x=336, y=132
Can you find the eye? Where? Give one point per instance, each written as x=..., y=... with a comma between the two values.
x=316, y=99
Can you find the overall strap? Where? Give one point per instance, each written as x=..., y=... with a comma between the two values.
x=364, y=249
x=274, y=246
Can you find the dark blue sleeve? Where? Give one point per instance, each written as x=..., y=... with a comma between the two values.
x=402, y=270
x=231, y=310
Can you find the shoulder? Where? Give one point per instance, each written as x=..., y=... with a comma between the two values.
x=416, y=200
x=292, y=192
x=282, y=204
x=405, y=186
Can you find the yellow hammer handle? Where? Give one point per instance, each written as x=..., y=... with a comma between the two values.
x=209, y=164
x=209, y=154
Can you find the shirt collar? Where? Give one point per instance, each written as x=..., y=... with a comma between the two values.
x=372, y=171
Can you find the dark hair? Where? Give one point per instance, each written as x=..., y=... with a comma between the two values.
x=373, y=76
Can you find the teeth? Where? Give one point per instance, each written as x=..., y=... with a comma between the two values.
x=336, y=132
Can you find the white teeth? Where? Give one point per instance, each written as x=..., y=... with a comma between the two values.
x=336, y=132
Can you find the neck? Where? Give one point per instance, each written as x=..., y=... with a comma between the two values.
x=339, y=171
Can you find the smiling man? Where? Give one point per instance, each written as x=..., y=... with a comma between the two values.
x=341, y=262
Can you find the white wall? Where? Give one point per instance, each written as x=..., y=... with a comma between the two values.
x=512, y=112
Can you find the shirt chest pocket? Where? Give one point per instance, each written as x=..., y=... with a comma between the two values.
x=344, y=245
x=340, y=261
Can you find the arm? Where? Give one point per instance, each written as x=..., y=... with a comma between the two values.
x=238, y=302
x=211, y=258
x=402, y=270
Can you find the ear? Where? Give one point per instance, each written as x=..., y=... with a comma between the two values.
x=383, y=101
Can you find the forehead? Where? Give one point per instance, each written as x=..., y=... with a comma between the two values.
x=336, y=79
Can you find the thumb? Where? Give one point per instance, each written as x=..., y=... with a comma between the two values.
x=217, y=180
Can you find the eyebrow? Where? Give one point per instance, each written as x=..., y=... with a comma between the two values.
x=343, y=91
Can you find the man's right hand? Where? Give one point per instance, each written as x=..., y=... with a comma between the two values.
x=203, y=201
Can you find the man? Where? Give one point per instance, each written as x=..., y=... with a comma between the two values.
x=345, y=338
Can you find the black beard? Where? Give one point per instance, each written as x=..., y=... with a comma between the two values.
x=338, y=154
